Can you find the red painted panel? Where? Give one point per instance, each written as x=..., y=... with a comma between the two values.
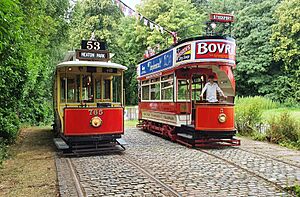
x=171, y=107
x=207, y=117
x=77, y=121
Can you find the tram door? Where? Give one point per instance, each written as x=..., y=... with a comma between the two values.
x=198, y=83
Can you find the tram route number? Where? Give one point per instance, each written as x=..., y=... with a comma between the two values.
x=92, y=45
x=95, y=112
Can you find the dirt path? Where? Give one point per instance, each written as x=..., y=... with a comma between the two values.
x=30, y=170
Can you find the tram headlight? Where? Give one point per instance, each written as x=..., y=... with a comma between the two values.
x=96, y=122
x=222, y=118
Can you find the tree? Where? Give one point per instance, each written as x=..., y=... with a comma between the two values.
x=134, y=37
x=255, y=65
x=100, y=17
x=286, y=38
x=26, y=60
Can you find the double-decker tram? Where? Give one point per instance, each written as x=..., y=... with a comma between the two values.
x=187, y=92
x=88, y=101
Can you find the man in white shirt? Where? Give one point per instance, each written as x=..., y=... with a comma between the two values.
x=211, y=89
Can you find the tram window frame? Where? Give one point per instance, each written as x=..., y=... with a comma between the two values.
x=188, y=85
x=198, y=90
x=90, y=93
x=107, y=92
x=164, y=80
x=157, y=89
x=98, y=89
x=65, y=88
x=145, y=89
x=117, y=89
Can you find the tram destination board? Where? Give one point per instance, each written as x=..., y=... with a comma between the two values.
x=222, y=18
x=92, y=55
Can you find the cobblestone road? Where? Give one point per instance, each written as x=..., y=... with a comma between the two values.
x=152, y=166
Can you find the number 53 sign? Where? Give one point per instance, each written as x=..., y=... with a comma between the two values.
x=92, y=45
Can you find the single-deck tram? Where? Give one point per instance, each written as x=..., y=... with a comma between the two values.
x=88, y=101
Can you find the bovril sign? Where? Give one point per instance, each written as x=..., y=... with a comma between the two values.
x=215, y=50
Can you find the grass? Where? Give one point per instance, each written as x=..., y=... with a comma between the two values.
x=130, y=123
x=295, y=113
x=295, y=189
x=30, y=168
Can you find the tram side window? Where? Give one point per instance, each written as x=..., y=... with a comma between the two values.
x=117, y=92
x=145, y=90
x=183, y=90
x=167, y=87
x=107, y=88
x=155, y=89
x=69, y=88
x=63, y=89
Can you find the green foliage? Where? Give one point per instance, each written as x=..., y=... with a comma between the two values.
x=3, y=151
x=134, y=38
x=262, y=102
x=28, y=53
x=283, y=129
x=247, y=117
x=256, y=67
x=174, y=15
x=258, y=136
x=285, y=37
x=295, y=189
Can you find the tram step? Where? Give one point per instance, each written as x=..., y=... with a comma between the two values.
x=184, y=135
x=60, y=144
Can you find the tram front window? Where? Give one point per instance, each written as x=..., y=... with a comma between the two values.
x=87, y=88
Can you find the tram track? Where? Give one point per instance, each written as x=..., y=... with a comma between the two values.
x=279, y=187
x=78, y=186
x=149, y=175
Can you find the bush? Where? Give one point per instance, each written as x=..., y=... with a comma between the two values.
x=9, y=124
x=283, y=129
x=3, y=150
x=259, y=136
x=248, y=113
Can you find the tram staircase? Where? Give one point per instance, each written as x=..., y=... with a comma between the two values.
x=226, y=87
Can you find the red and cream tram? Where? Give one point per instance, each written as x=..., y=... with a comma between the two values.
x=170, y=87
x=88, y=100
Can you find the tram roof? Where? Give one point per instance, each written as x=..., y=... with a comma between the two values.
x=92, y=63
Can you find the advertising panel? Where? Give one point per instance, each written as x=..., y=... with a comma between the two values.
x=183, y=53
x=158, y=63
x=215, y=50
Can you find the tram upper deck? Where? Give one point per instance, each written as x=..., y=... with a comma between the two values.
x=189, y=63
